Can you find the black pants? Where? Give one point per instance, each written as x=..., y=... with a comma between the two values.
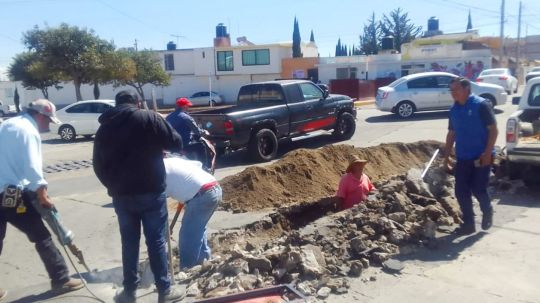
x=31, y=224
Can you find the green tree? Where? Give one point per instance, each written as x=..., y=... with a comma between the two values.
x=312, y=37
x=369, y=41
x=399, y=26
x=469, y=22
x=70, y=51
x=112, y=66
x=16, y=100
x=338, y=48
x=148, y=70
x=28, y=68
x=296, y=50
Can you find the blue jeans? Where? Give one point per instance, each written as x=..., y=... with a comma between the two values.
x=471, y=180
x=151, y=211
x=192, y=239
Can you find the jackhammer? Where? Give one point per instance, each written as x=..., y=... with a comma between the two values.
x=64, y=235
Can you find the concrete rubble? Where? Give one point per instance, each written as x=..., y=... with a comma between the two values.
x=320, y=255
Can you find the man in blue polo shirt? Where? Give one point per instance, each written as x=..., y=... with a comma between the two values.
x=473, y=128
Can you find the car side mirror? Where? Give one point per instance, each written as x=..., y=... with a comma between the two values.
x=515, y=100
x=325, y=94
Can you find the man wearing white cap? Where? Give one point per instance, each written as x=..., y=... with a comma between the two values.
x=21, y=179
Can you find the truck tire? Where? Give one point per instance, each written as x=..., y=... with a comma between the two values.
x=345, y=127
x=513, y=170
x=263, y=145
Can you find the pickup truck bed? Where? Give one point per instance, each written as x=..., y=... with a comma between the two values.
x=269, y=112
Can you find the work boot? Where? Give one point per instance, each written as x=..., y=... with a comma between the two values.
x=171, y=295
x=487, y=220
x=71, y=285
x=465, y=229
x=125, y=296
x=3, y=294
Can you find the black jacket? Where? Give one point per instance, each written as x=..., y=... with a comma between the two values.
x=128, y=150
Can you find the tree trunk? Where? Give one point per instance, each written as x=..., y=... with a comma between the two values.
x=96, y=90
x=143, y=99
x=16, y=101
x=45, y=92
x=77, y=84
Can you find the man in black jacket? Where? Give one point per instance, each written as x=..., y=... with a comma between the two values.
x=128, y=160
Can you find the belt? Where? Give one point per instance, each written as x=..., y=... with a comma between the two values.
x=206, y=187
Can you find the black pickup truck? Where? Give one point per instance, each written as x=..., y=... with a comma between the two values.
x=268, y=112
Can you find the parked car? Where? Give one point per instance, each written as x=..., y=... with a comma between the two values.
x=429, y=91
x=535, y=72
x=205, y=98
x=499, y=76
x=269, y=112
x=6, y=109
x=80, y=118
x=523, y=135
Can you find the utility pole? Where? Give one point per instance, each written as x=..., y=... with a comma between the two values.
x=501, y=42
x=519, y=36
x=135, y=44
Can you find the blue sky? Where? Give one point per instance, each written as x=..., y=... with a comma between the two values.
x=153, y=23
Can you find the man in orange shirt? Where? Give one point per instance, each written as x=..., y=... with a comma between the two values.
x=354, y=186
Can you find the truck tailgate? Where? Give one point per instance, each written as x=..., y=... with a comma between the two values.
x=213, y=123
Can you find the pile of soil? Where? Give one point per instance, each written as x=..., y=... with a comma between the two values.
x=308, y=175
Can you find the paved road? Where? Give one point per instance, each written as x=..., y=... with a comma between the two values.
x=510, y=247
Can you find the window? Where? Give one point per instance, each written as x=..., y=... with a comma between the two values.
x=169, y=62
x=310, y=91
x=256, y=57
x=444, y=81
x=80, y=109
x=100, y=108
x=534, y=96
x=424, y=82
x=260, y=93
x=346, y=73
x=225, y=61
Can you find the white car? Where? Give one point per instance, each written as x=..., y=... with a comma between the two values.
x=535, y=72
x=429, y=91
x=80, y=118
x=499, y=76
x=205, y=98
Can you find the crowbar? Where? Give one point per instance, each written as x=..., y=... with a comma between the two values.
x=429, y=164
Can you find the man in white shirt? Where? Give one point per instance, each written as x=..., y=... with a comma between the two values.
x=21, y=181
x=187, y=182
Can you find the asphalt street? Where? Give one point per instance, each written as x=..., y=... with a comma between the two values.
x=498, y=266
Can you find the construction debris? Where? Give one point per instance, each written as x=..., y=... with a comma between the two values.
x=306, y=241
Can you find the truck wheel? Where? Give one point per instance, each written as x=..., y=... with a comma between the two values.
x=345, y=127
x=263, y=145
x=513, y=170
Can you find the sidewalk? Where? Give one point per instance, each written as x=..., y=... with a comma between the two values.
x=364, y=101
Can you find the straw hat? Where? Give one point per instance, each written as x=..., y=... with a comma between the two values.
x=355, y=160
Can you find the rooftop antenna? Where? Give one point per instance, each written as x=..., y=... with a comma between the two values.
x=177, y=38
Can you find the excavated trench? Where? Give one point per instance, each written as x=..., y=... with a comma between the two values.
x=305, y=240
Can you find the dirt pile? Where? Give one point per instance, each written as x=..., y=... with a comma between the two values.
x=308, y=175
x=311, y=245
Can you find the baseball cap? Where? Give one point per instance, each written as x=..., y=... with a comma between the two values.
x=183, y=102
x=46, y=108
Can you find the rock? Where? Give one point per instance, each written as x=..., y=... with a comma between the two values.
x=393, y=265
x=451, y=205
x=433, y=212
x=261, y=263
x=323, y=292
x=289, y=260
x=279, y=273
x=312, y=260
x=397, y=237
x=181, y=276
x=193, y=290
x=305, y=288
x=379, y=257
x=358, y=245
x=422, y=200
x=428, y=229
x=218, y=292
x=356, y=268
x=234, y=267
x=399, y=217
x=372, y=278
x=248, y=282
x=365, y=262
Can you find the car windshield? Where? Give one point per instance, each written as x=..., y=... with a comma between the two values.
x=493, y=72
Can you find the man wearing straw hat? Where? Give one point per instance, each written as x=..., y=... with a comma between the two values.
x=354, y=186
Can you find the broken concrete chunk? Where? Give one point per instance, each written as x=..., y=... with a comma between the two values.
x=393, y=265
x=323, y=292
x=261, y=263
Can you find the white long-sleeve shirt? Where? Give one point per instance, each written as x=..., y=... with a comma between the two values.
x=20, y=154
x=184, y=178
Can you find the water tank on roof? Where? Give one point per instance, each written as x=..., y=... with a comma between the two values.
x=433, y=24
x=171, y=45
x=221, y=31
x=387, y=43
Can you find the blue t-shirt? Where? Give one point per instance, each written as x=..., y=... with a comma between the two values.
x=470, y=122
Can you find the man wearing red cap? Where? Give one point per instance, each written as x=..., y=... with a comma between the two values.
x=184, y=124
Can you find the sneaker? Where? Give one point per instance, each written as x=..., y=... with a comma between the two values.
x=71, y=285
x=3, y=294
x=125, y=296
x=171, y=295
x=465, y=229
x=487, y=220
